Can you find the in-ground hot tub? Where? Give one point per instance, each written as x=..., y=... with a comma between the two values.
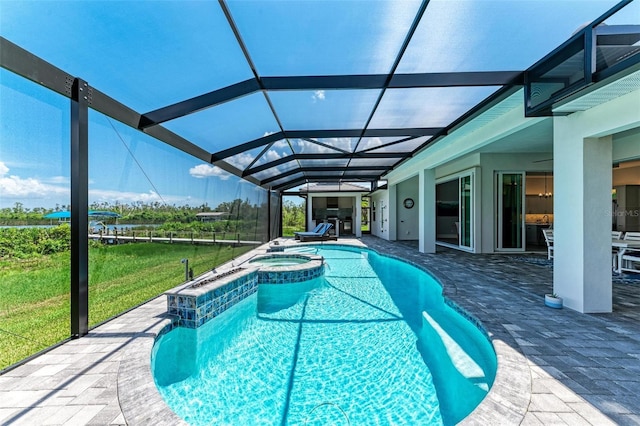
x=279, y=260
x=287, y=268
x=214, y=293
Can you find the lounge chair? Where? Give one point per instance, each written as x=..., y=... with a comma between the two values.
x=314, y=231
x=321, y=235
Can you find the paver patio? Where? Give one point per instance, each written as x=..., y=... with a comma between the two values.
x=555, y=366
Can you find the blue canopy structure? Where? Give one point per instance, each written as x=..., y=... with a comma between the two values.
x=67, y=214
x=103, y=213
x=58, y=215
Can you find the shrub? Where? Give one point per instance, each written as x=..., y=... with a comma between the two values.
x=23, y=243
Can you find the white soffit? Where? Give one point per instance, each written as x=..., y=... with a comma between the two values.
x=602, y=95
x=496, y=111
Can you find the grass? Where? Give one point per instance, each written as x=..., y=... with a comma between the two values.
x=34, y=307
x=288, y=231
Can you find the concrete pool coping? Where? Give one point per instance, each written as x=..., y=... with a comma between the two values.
x=554, y=366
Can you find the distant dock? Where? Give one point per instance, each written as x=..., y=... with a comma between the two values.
x=133, y=237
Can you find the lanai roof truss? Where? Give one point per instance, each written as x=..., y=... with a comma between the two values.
x=351, y=126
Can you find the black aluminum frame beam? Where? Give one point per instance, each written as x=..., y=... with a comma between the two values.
x=27, y=65
x=405, y=44
x=290, y=184
x=329, y=156
x=456, y=79
x=189, y=106
x=467, y=117
x=247, y=56
x=79, y=282
x=24, y=63
x=582, y=40
x=323, y=133
x=323, y=169
x=247, y=146
x=328, y=82
x=373, y=148
x=269, y=214
x=325, y=145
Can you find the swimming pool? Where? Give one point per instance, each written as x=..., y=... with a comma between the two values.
x=371, y=342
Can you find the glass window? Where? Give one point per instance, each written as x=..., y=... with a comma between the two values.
x=324, y=109
x=374, y=142
x=493, y=35
x=618, y=38
x=170, y=206
x=244, y=159
x=350, y=173
x=333, y=162
x=286, y=179
x=301, y=146
x=276, y=170
x=320, y=38
x=406, y=146
x=335, y=173
x=426, y=107
x=345, y=144
x=145, y=54
x=277, y=150
x=227, y=125
x=34, y=247
x=363, y=162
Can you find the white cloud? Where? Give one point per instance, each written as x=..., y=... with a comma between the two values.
x=277, y=151
x=318, y=95
x=271, y=155
x=371, y=142
x=305, y=147
x=12, y=186
x=106, y=195
x=241, y=160
x=59, y=180
x=206, y=170
x=346, y=144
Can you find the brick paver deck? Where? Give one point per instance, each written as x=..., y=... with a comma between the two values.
x=555, y=366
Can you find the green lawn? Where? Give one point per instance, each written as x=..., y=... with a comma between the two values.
x=34, y=302
x=288, y=231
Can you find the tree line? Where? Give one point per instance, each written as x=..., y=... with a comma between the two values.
x=241, y=217
x=134, y=213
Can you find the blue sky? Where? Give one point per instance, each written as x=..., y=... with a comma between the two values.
x=124, y=165
x=148, y=54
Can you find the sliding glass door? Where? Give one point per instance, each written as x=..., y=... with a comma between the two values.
x=466, y=212
x=510, y=211
x=454, y=212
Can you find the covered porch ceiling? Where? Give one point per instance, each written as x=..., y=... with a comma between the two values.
x=283, y=93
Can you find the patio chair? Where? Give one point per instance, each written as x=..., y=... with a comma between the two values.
x=615, y=235
x=548, y=238
x=631, y=256
x=321, y=235
x=314, y=230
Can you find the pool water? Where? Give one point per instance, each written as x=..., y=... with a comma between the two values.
x=279, y=261
x=370, y=343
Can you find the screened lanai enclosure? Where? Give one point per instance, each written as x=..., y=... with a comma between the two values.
x=160, y=110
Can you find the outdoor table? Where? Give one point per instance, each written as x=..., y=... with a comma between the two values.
x=622, y=246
